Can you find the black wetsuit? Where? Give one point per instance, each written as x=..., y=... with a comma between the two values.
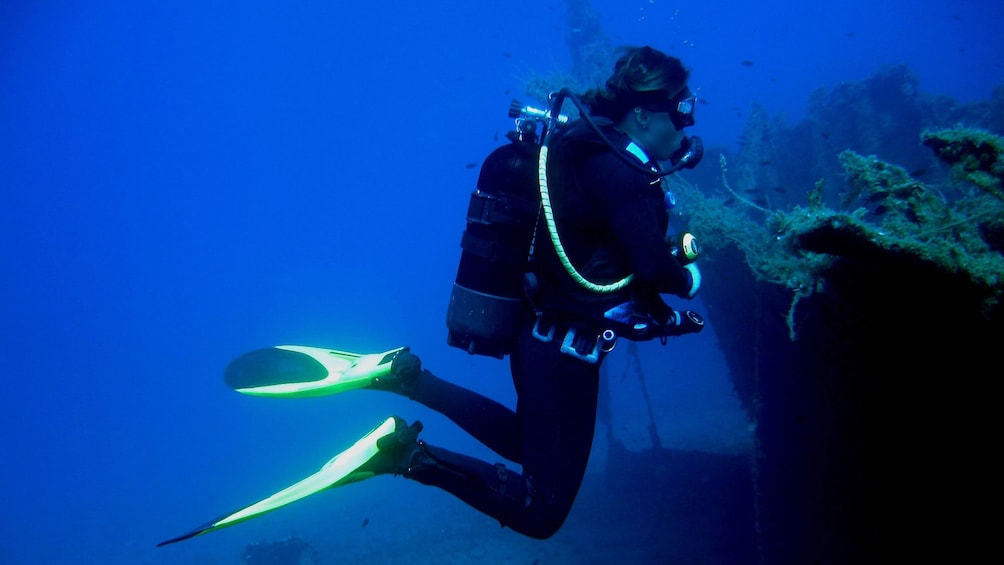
x=612, y=221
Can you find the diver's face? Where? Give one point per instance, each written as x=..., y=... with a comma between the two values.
x=662, y=138
x=666, y=121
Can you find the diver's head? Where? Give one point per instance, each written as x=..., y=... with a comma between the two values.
x=648, y=99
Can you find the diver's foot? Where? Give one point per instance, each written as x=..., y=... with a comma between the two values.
x=399, y=451
x=403, y=378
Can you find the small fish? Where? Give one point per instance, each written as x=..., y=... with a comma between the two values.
x=470, y=165
x=746, y=63
x=366, y=522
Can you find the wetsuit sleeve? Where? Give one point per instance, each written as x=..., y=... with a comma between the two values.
x=637, y=219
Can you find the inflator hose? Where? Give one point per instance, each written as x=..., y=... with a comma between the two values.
x=693, y=152
x=552, y=230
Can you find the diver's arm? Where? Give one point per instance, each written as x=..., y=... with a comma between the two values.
x=637, y=218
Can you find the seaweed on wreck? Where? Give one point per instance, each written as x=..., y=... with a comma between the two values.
x=886, y=215
x=973, y=154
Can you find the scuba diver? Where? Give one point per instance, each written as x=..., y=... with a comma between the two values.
x=566, y=251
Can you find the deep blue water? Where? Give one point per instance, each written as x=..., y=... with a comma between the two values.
x=185, y=181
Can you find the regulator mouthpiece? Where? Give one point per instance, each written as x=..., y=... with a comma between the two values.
x=688, y=155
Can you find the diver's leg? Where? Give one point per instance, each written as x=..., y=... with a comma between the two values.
x=488, y=421
x=492, y=489
x=557, y=408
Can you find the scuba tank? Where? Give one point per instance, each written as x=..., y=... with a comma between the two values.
x=488, y=303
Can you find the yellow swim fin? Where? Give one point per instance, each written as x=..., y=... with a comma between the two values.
x=340, y=470
x=299, y=371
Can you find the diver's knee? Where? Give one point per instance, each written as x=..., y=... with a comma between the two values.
x=542, y=516
x=542, y=523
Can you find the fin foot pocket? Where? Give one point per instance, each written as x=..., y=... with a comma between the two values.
x=397, y=450
x=405, y=369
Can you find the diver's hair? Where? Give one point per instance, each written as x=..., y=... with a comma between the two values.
x=642, y=75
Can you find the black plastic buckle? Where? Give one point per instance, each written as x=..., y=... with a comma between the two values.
x=544, y=331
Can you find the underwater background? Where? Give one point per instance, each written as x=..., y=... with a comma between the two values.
x=183, y=182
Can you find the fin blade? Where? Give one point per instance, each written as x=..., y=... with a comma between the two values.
x=300, y=371
x=339, y=470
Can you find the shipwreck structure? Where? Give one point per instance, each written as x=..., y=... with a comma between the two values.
x=857, y=339
x=854, y=274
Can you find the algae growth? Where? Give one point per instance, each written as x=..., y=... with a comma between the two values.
x=886, y=215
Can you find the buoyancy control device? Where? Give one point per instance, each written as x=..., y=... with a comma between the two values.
x=488, y=302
